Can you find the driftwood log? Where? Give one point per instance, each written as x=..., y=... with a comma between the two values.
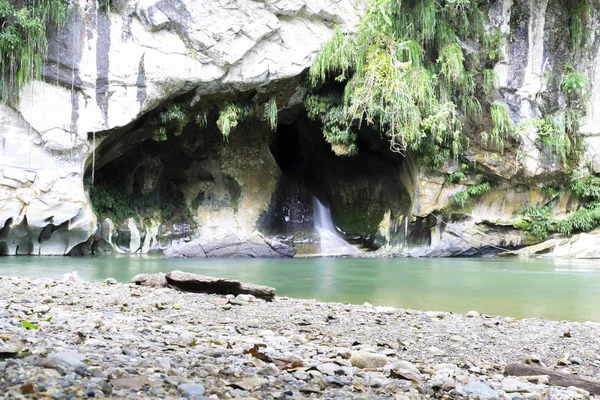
x=206, y=284
x=556, y=378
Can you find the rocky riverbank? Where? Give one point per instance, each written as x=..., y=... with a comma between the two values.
x=65, y=339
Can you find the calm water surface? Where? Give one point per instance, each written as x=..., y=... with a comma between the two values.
x=512, y=287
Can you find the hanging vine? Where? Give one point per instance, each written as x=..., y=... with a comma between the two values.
x=23, y=41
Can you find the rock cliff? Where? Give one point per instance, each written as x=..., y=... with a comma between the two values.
x=136, y=98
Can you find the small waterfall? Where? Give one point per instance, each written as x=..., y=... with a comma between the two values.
x=331, y=243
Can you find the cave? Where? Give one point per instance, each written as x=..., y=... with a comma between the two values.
x=198, y=182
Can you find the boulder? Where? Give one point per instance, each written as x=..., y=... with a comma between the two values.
x=151, y=280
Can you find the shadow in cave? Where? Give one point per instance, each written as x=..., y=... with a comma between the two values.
x=359, y=190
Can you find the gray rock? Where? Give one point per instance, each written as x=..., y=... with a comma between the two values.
x=110, y=281
x=576, y=360
x=151, y=280
x=191, y=390
x=230, y=245
x=64, y=359
x=480, y=391
x=512, y=385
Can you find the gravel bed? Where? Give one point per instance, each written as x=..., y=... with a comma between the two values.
x=71, y=339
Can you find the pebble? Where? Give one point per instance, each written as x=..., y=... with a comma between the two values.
x=96, y=340
x=364, y=359
x=191, y=390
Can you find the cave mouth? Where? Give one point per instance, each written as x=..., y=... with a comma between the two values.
x=196, y=170
x=359, y=190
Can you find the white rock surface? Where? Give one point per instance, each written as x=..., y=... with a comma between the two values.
x=116, y=67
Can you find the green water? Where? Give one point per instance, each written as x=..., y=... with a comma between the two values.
x=520, y=288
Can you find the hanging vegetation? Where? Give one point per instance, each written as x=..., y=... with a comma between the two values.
x=23, y=41
x=403, y=73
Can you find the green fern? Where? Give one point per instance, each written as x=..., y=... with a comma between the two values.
x=23, y=42
x=502, y=124
x=271, y=112
x=230, y=115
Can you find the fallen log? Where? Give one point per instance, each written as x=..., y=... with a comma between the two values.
x=206, y=284
x=556, y=378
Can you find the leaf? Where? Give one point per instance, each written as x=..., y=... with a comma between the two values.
x=28, y=325
x=406, y=375
x=254, y=351
x=27, y=388
x=287, y=364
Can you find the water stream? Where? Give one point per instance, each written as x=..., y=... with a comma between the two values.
x=331, y=244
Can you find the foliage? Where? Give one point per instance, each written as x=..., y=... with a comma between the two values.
x=552, y=135
x=202, y=119
x=403, y=73
x=492, y=44
x=23, y=41
x=539, y=222
x=110, y=201
x=271, y=113
x=171, y=120
x=536, y=221
x=587, y=187
x=461, y=198
x=490, y=81
x=28, y=325
x=502, y=125
x=230, y=115
x=576, y=88
x=455, y=177
x=581, y=14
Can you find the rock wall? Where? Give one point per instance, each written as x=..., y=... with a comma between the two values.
x=109, y=72
x=536, y=51
x=108, y=68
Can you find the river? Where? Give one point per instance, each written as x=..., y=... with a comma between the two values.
x=547, y=289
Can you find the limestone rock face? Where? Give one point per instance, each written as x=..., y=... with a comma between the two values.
x=105, y=70
x=43, y=207
x=230, y=245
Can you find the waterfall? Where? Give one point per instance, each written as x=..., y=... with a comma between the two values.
x=331, y=243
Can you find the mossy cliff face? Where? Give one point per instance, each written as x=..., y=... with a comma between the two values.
x=165, y=113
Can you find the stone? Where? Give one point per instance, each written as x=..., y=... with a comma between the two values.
x=191, y=390
x=512, y=385
x=130, y=382
x=576, y=360
x=65, y=359
x=472, y=314
x=435, y=314
x=364, y=359
x=110, y=281
x=480, y=390
x=151, y=280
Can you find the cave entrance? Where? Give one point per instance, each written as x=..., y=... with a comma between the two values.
x=359, y=190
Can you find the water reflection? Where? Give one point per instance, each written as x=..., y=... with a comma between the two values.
x=521, y=288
